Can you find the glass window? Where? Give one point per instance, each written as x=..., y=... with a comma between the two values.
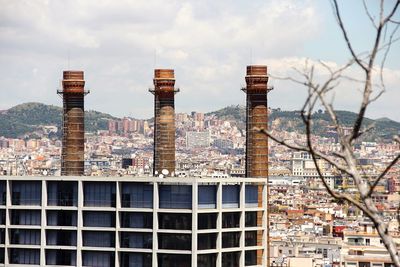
x=250, y=258
x=230, y=196
x=175, y=221
x=230, y=219
x=60, y=257
x=99, y=219
x=2, y=239
x=175, y=241
x=98, y=239
x=3, y=217
x=3, y=193
x=61, y=218
x=250, y=238
x=60, y=238
x=174, y=260
x=137, y=195
x=207, y=196
x=175, y=196
x=98, y=258
x=135, y=259
x=251, y=193
x=230, y=239
x=207, y=220
x=25, y=237
x=24, y=256
x=206, y=260
x=207, y=241
x=136, y=240
x=62, y=193
x=136, y=220
x=25, y=217
x=251, y=219
x=99, y=194
x=230, y=259
x=26, y=193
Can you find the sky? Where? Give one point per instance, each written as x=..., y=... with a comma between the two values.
x=209, y=44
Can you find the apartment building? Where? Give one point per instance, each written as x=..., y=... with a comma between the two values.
x=363, y=247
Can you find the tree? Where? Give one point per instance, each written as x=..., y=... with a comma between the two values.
x=371, y=64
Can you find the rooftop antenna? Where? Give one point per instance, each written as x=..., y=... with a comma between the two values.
x=155, y=58
x=68, y=58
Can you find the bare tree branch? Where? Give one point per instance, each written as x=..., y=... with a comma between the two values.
x=344, y=32
x=368, y=69
x=345, y=161
x=388, y=167
x=387, y=49
x=305, y=149
x=369, y=14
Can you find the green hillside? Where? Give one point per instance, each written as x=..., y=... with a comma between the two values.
x=29, y=117
x=291, y=121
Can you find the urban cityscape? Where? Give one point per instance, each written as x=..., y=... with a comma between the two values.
x=248, y=184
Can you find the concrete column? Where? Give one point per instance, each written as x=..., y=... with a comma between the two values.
x=79, y=241
x=155, y=224
x=43, y=223
x=219, y=224
x=242, y=205
x=194, y=222
x=265, y=226
x=117, y=224
x=8, y=222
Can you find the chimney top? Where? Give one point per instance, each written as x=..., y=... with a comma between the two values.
x=73, y=75
x=260, y=70
x=164, y=74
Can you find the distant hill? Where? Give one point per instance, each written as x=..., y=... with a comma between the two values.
x=291, y=121
x=30, y=117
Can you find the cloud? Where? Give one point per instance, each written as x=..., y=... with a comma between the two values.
x=347, y=94
x=119, y=43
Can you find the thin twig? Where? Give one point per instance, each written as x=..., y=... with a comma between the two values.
x=388, y=167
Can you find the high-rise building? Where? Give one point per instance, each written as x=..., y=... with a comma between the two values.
x=112, y=126
x=120, y=221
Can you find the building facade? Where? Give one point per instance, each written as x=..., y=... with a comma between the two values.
x=198, y=139
x=120, y=221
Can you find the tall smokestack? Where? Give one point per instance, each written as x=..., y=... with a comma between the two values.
x=164, y=121
x=257, y=143
x=72, y=155
x=256, y=116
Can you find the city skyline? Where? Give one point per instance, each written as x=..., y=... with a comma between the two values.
x=208, y=44
x=254, y=185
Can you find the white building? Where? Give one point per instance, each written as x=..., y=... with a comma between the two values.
x=124, y=221
x=303, y=165
x=198, y=139
x=363, y=247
